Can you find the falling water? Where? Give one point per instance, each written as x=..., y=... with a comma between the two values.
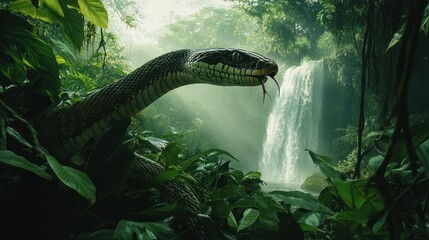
x=293, y=126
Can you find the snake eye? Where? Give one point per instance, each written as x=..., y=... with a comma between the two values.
x=236, y=56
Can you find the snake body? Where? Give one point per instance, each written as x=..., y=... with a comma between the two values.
x=65, y=131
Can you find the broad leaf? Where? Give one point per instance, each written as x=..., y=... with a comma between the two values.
x=301, y=200
x=356, y=193
x=374, y=162
x=73, y=178
x=95, y=12
x=10, y=158
x=249, y=218
x=72, y=25
x=325, y=167
x=358, y=216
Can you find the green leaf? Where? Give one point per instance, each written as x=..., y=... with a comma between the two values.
x=350, y=195
x=357, y=192
x=18, y=137
x=301, y=200
x=425, y=20
x=220, y=208
x=396, y=37
x=24, y=6
x=72, y=25
x=153, y=142
x=325, y=167
x=47, y=10
x=95, y=11
x=381, y=221
x=162, y=209
x=251, y=175
x=173, y=172
x=104, y=234
x=249, y=218
x=144, y=230
x=26, y=50
x=310, y=228
x=210, y=153
x=10, y=158
x=73, y=178
x=374, y=162
x=423, y=154
x=314, y=219
x=358, y=216
x=232, y=223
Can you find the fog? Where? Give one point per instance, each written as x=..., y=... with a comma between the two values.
x=233, y=118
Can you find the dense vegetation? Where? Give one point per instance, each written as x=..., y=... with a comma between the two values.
x=375, y=186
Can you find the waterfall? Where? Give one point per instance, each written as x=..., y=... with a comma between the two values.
x=293, y=126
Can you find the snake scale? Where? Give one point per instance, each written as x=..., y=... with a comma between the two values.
x=65, y=131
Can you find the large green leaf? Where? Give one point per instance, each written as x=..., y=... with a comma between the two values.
x=301, y=200
x=73, y=24
x=95, y=12
x=356, y=193
x=46, y=10
x=10, y=158
x=73, y=178
x=249, y=218
x=325, y=167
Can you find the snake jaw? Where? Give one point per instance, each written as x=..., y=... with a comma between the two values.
x=263, y=79
x=232, y=67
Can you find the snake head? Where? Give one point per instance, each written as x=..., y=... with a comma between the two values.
x=231, y=67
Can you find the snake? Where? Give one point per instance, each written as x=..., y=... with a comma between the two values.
x=65, y=131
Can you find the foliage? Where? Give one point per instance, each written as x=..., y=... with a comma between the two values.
x=95, y=200
x=213, y=27
x=290, y=28
x=82, y=72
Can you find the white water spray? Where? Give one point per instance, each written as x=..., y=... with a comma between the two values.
x=293, y=126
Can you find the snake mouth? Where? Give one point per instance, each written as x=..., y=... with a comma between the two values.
x=264, y=79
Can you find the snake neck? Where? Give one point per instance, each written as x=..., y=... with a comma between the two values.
x=73, y=126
